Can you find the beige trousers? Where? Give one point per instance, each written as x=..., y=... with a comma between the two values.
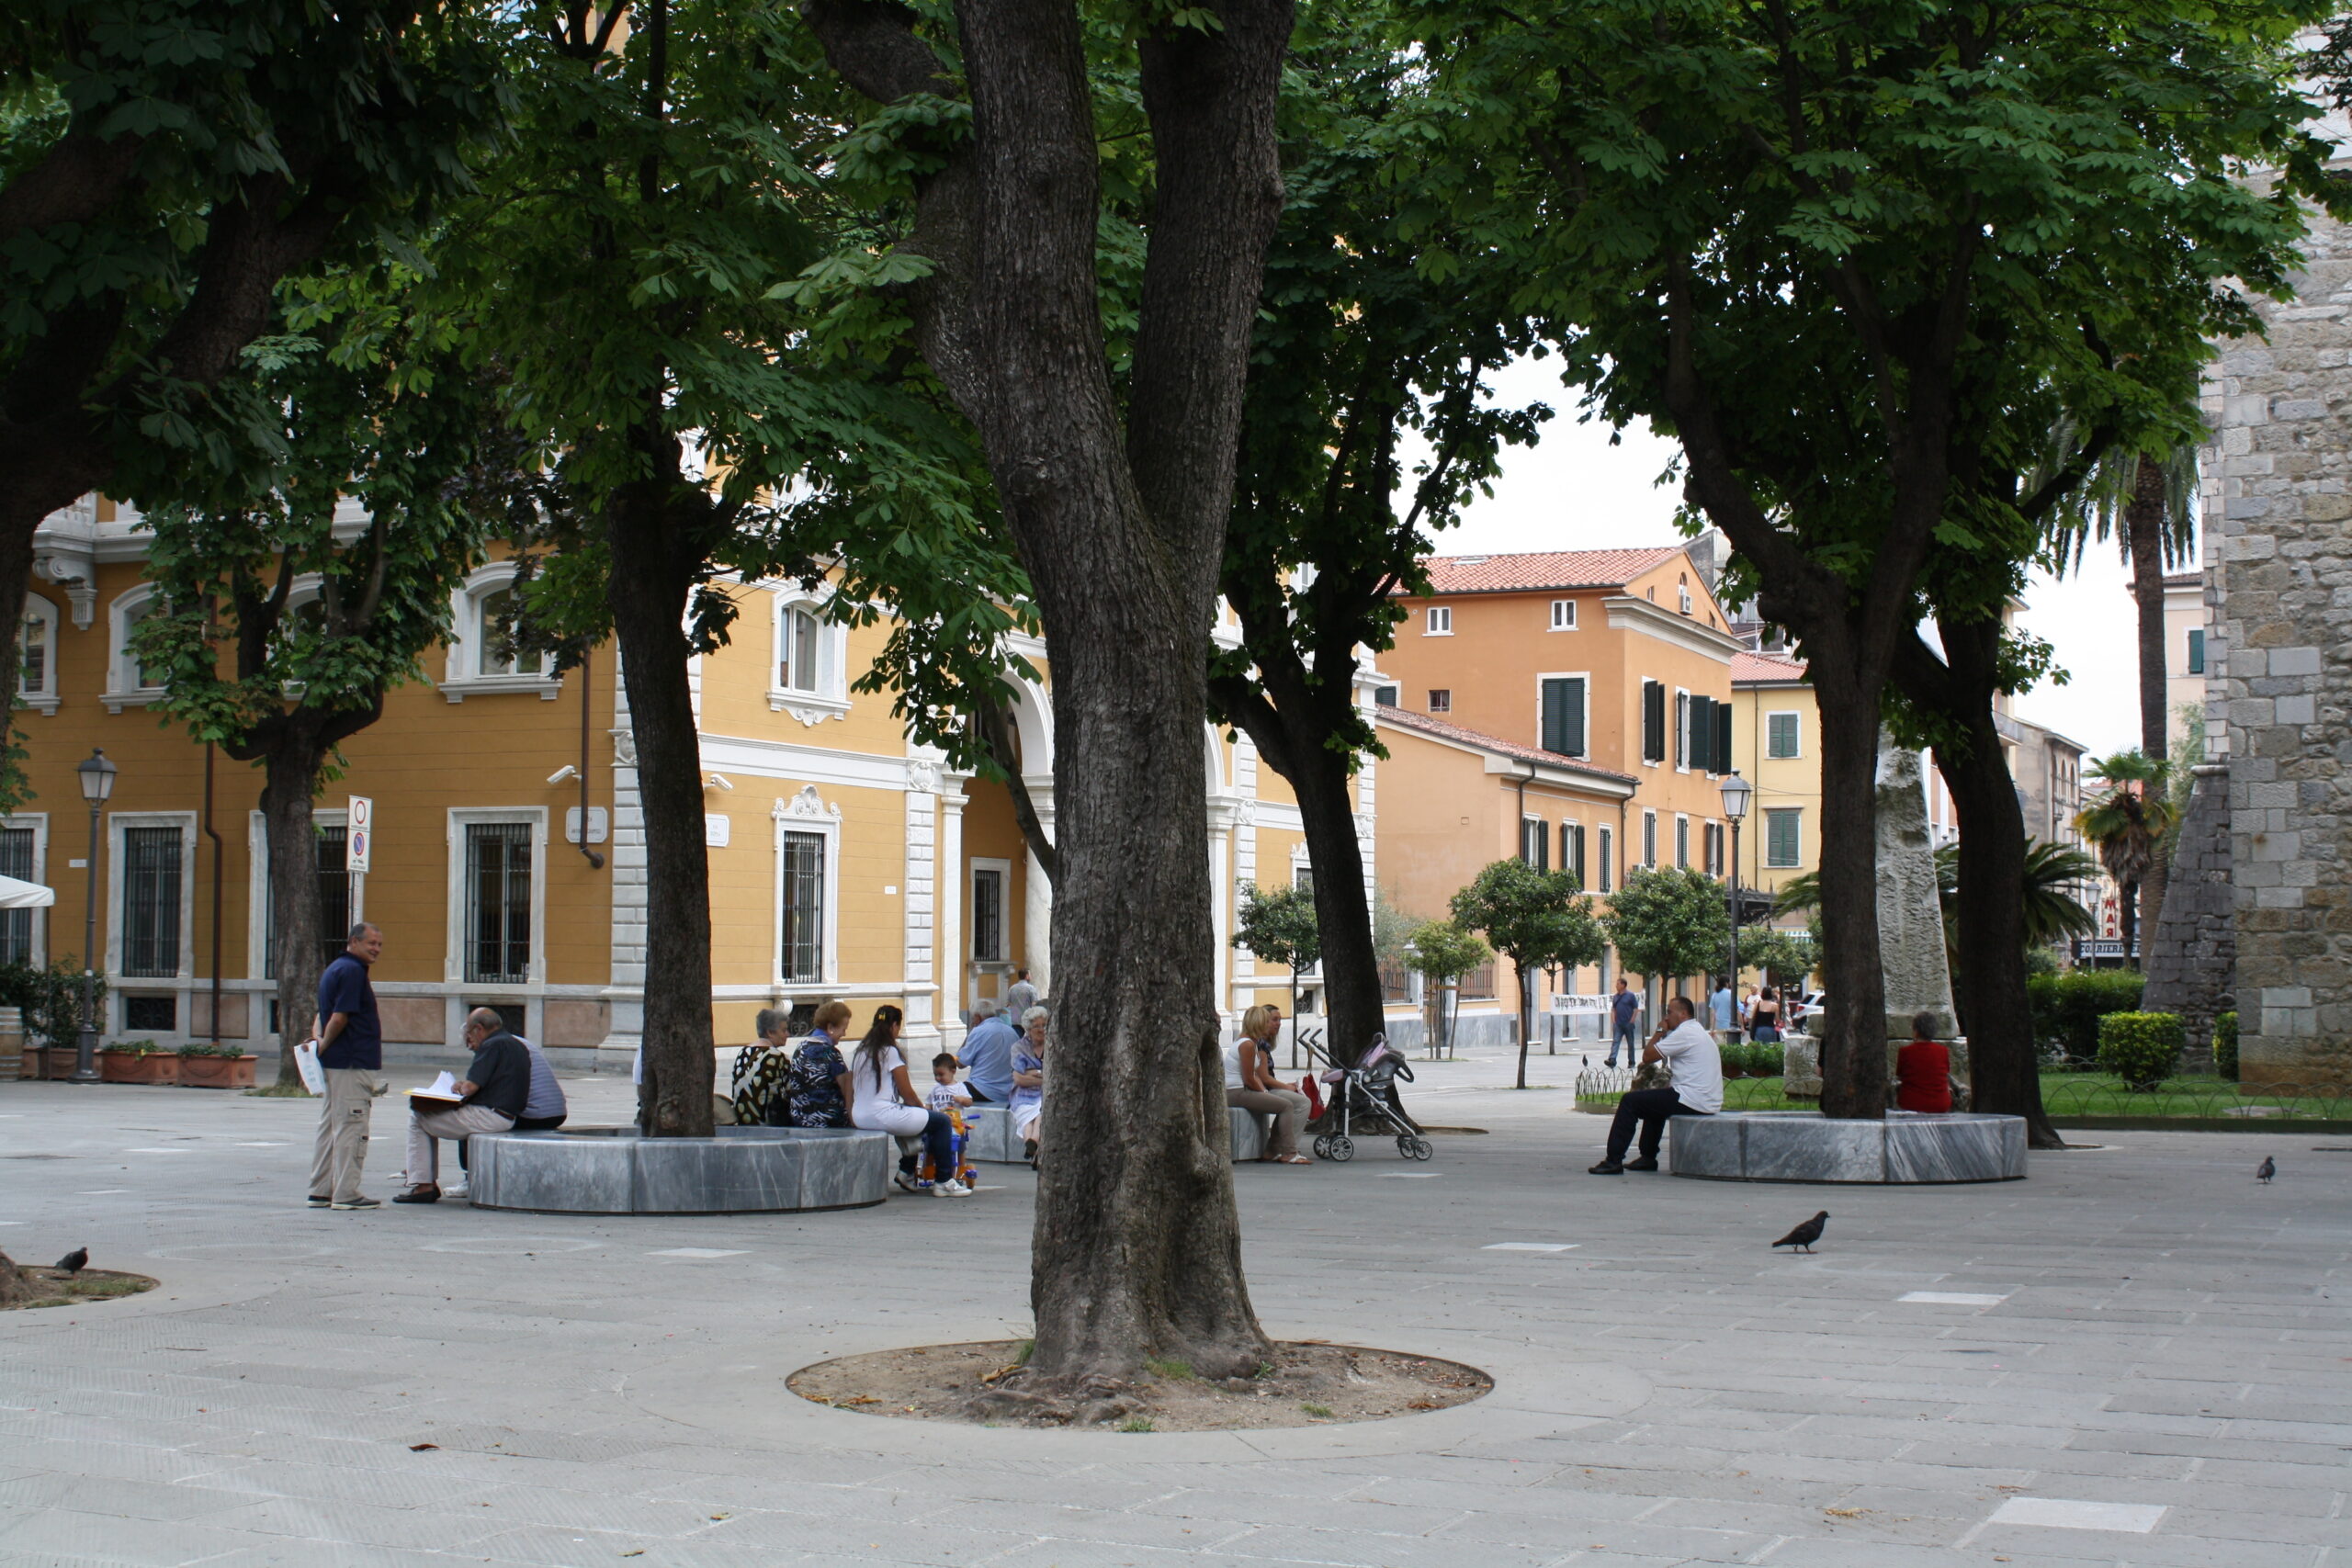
x=425, y=1128
x=1286, y=1106
x=341, y=1147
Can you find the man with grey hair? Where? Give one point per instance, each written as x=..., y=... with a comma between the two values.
x=351, y=1054
x=493, y=1093
x=987, y=1050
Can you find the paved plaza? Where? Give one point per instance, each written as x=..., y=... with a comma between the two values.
x=2137, y=1356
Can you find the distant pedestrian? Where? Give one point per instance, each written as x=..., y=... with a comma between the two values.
x=1721, y=1005
x=1764, y=1018
x=1021, y=996
x=351, y=1053
x=1624, y=1011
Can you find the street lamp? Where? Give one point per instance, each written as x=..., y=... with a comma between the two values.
x=1735, y=791
x=96, y=776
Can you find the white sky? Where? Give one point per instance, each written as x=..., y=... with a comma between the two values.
x=1576, y=491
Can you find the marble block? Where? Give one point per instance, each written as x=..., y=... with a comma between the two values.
x=991, y=1141
x=613, y=1171
x=1803, y=1145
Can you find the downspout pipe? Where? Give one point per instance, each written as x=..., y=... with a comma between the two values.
x=587, y=711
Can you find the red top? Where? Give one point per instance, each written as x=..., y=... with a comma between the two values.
x=1923, y=1078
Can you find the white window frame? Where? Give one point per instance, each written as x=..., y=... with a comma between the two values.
x=807, y=812
x=1583, y=675
x=258, y=884
x=1649, y=840
x=1540, y=831
x=1678, y=719
x=110, y=887
x=1681, y=840
x=123, y=690
x=1448, y=708
x=978, y=863
x=38, y=822
x=1796, y=721
x=1606, y=837
x=829, y=697
x=461, y=672
x=1770, y=812
x=1563, y=614
x=453, y=958
x=1439, y=621
x=43, y=698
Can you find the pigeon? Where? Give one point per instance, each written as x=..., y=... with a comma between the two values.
x=1805, y=1234
x=2265, y=1170
x=75, y=1261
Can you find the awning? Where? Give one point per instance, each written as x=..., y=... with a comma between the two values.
x=16, y=895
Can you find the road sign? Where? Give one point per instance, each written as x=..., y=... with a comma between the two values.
x=359, y=833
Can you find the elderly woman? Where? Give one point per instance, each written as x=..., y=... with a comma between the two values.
x=1250, y=1083
x=1027, y=1108
x=819, y=1091
x=763, y=1076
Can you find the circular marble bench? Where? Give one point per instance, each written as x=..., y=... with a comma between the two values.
x=741, y=1170
x=1804, y=1145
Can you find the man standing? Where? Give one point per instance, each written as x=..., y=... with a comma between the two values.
x=351, y=1051
x=1696, y=1070
x=988, y=1052
x=1624, y=1008
x=1720, y=1005
x=492, y=1094
x=1021, y=997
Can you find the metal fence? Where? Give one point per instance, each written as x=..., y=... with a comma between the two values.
x=2088, y=1101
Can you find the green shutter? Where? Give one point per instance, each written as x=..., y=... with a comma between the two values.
x=1781, y=848
x=1564, y=716
x=2197, y=652
x=1783, y=739
x=1722, y=737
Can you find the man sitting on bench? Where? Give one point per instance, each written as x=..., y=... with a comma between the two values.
x=495, y=1089
x=1695, y=1069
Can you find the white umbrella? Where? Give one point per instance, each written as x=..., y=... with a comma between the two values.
x=16, y=895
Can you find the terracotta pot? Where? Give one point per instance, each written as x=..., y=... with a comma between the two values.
x=61, y=1061
x=216, y=1072
x=129, y=1066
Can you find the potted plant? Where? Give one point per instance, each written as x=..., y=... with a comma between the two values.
x=139, y=1060
x=216, y=1067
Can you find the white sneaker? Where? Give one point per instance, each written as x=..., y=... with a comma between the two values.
x=950, y=1189
x=906, y=1182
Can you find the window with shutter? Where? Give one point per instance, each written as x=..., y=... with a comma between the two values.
x=1722, y=737
x=1653, y=722
x=1682, y=842
x=1649, y=839
x=1783, y=846
x=1608, y=868
x=1702, y=734
x=1563, y=703
x=1681, y=729
x=1782, y=736
x=2197, y=651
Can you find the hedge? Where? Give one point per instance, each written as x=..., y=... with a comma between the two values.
x=2067, y=1008
x=2140, y=1048
x=2225, y=1044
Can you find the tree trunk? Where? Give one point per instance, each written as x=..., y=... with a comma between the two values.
x=648, y=592
x=1853, y=1047
x=289, y=786
x=2144, y=521
x=1318, y=778
x=1526, y=1018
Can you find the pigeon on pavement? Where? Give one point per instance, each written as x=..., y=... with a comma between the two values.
x=75, y=1261
x=1805, y=1234
x=2265, y=1170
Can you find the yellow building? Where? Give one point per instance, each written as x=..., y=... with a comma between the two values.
x=1777, y=745
x=845, y=862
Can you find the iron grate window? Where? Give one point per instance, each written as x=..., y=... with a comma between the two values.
x=498, y=902
x=17, y=925
x=988, y=914
x=151, y=902
x=803, y=958
x=334, y=900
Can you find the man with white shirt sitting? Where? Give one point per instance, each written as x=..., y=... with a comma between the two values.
x=1695, y=1069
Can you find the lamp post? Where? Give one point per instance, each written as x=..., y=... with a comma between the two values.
x=96, y=776
x=1735, y=791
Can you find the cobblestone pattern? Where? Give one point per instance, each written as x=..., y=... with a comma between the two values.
x=2279, y=517
x=2192, y=962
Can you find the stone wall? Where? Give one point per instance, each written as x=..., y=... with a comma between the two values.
x=2192, y=958
x=2278, y=522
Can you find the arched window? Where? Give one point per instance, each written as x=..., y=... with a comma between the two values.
x=480, y=659
x=806, y=678
x=37, y=655
x=131, y=684
x=798, y=634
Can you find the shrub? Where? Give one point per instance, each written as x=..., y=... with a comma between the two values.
x=2067, y=1008
x=138, y=1048
x=2225, y=1045
x=2139, y=1047
x=50, y=998
x=203, y=1049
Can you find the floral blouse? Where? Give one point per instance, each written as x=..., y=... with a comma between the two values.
x=759, y=1084
x=815, y=1097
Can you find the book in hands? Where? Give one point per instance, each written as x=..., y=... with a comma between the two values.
x=443, y=1088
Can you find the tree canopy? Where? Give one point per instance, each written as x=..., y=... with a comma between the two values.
x=1668, y=922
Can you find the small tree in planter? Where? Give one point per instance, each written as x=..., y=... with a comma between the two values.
x=1540, y=918
x=1441, y=952
x=215, y=1066
x=2140, y=1048
x=1278, y=926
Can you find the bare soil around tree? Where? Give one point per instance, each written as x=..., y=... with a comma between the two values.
x=37, y=1287
x=1308, y=1383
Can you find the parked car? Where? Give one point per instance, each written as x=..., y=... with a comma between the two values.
x=1812, y=1002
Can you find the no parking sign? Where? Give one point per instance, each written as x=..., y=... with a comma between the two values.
x=359, y=833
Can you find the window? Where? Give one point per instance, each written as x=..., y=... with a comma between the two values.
x=1681, y=729
x=1572, y=851
x=1563, y=614
x=1650, y=840
x=1441, y=700
x=795, y=651
x=1710, y=849
x=492, y=654
x=1722, y=737
x=160, y=1014
x=1682, y=842
x=19, y=858
x=1709, y=749
x=130, y=683
x=1535, y=842
x=1440, y=620
x=1608, y=863
x=988, y=914
x=481, y=656
x=498, y=902
x=37, y=655
x=1782, y=735
x=1653, y=722
x=334, y=898
x=151, y=902
x=803, y=957
x=1782, y=847
x=2197, y=651
x=1387, y=696
x=1563, y=713
x=1683, y=591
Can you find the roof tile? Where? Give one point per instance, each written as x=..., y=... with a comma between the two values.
x=1429, y=724
x=1535, y=570
x=1753, y=668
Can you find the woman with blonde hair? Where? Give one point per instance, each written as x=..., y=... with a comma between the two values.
x=1250, y=1083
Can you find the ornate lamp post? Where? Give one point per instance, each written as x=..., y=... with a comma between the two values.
x=1735, y=791
x=97, y=775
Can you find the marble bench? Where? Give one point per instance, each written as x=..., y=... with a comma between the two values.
x=740, y=1170
x=992, y=1141
x=1804, y=1145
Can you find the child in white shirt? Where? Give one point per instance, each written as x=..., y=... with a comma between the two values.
x=947, y=1092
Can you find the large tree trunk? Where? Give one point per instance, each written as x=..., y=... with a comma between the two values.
x=290, y=783
x=1853, y=1047
x=648, y=593
x=2144, y=521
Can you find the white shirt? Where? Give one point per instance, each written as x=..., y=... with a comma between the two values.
x=876, y=1105
x=1694, y=1066
x=1232, y=1065
x=948, y=1096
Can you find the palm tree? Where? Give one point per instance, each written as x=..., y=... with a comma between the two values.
x=2126, y=825
x=2051, y=911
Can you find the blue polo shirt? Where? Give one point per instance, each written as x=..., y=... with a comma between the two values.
x=343, y=988
x=988, y=1050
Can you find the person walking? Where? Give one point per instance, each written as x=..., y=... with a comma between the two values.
x=1695, y=1067
x=1624, y=1010
x=351, y=1054
x=1021, y=995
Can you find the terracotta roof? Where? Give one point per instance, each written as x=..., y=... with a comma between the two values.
x=1542, y=569
x=1764, y=668
x=1429, y=724
x=2185, y=579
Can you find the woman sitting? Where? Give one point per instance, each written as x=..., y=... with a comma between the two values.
x=1922, y=1071
x=1027, y=1106
x=883, y=1099
x=1250, y=1083
x=819, y=1094
x=763, y=1078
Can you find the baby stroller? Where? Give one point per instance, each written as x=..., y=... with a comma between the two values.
x=1363, y=1098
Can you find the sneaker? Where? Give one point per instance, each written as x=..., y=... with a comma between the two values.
x=951, y=1189
x=1607, y=1168
x=418, y=1195
x=906, y=1182
x=364, y=1203
x=1647, y=1162
x=320, y=1200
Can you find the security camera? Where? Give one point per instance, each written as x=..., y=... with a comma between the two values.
x=719, y=781
x=565, y=771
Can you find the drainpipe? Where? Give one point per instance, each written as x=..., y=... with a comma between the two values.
x=587, y=706
x=211, y=833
